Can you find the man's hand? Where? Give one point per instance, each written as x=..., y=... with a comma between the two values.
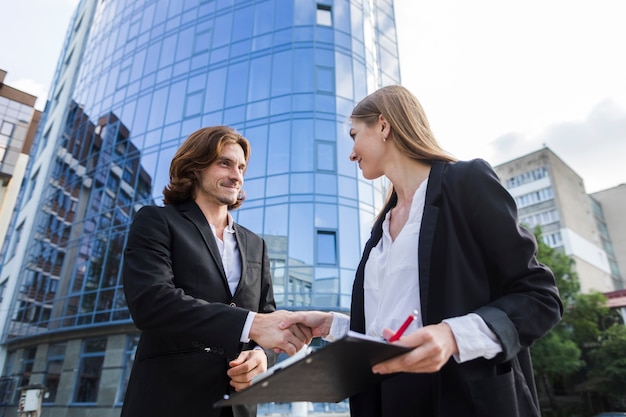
x=267, y=331
x=317, y=321
x=248, y=364
x=433, y=345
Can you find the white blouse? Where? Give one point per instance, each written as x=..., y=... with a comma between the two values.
x=392, y=292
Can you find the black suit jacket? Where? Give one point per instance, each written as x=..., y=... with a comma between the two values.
x=473, y=257
x=178, y=296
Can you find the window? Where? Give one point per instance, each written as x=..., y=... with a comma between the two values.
x=325, y=156
x=33, y=184
x=326, y=247
x=56, y=351
x=527, y=177
x=534, y=197
x=129, y=358
x=16, y=239
x=324, y=15
x=90, y=370
x=28, y=361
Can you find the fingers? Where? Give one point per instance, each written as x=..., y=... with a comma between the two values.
x=433, y=347
x=248, y=364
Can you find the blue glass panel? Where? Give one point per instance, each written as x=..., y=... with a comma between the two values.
x=344, y=76
x=223, y=26
x=281, y=73
x=278, y=149
x=251, y=218
x=168, y=49
x=237, y=85
x=176, y=103
x=193, y=106
x=258, y=153
x=277, y=186
x=202, y=41
x=325, y=184
x=301, y=236
x=263, y=17
x=326, y=216
x=303, y=67
x=157, y=107
x=276, y=220
x=325, y=78
x=242, y=29
x=283, y=16
x=254, y=188
x=349, y=245
x=260, y=73
x=347, y=187
x=325, y=103
x=301, y=184
x=216, y=84
x=326, y=248
x=325, y=156
x=302, y=143
x=184, y=44
x=304, y=12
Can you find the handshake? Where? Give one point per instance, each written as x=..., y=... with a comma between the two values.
x=288, y=331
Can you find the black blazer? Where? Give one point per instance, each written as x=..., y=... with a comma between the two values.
x=178, y=296
x=473, y=257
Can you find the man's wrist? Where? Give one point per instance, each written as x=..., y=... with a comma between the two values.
x=247, y=327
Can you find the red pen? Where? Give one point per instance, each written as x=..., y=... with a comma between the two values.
x=404, y=326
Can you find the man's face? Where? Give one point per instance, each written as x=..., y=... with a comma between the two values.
x=221, y=182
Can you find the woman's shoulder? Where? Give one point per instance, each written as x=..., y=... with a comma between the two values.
x=469, y=170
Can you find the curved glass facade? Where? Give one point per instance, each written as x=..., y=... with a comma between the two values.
x=285, y=73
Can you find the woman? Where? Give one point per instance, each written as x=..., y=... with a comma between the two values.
x=447, y=244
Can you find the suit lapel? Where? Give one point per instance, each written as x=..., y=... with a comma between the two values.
x=242, y=244
x=427, y=233
x=191, y=211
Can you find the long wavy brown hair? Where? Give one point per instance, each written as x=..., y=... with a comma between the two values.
x=197, y=152
x=410, y=130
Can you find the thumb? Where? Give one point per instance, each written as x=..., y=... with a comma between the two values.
x=288, y=321
x=238, y=361
x=388, y=333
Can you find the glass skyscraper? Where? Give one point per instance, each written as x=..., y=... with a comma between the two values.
x=135, y=78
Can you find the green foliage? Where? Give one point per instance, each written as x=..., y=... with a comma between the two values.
x=579, y=342
x=556, y=356
x=609, y=364
x=584, y=316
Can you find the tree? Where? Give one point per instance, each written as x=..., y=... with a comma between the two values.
x=557, y=356
x=609, y=362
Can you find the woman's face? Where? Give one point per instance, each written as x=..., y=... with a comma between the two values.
x=368, y=148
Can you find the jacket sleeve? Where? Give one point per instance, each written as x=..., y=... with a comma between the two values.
x=525, y=300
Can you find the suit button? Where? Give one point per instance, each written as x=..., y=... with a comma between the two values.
x=233, y=305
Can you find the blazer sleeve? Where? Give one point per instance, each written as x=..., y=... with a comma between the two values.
x=525, y=300
x=157, y=305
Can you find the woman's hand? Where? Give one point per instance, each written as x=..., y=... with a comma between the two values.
x=433, y=346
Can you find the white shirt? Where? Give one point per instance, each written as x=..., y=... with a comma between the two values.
x=391, y=291
x=231, y=260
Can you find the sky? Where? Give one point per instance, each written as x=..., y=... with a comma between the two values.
x=497, y=78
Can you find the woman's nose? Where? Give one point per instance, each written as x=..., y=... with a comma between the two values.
x=353, y=156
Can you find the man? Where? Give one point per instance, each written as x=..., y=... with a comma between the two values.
x=194, y=282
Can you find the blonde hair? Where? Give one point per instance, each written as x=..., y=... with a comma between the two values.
x=410, y=130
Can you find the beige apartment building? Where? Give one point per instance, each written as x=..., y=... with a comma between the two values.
x=18, y=124
x=551, y=195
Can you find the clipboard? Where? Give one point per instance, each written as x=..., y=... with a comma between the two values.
x=328, y=374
